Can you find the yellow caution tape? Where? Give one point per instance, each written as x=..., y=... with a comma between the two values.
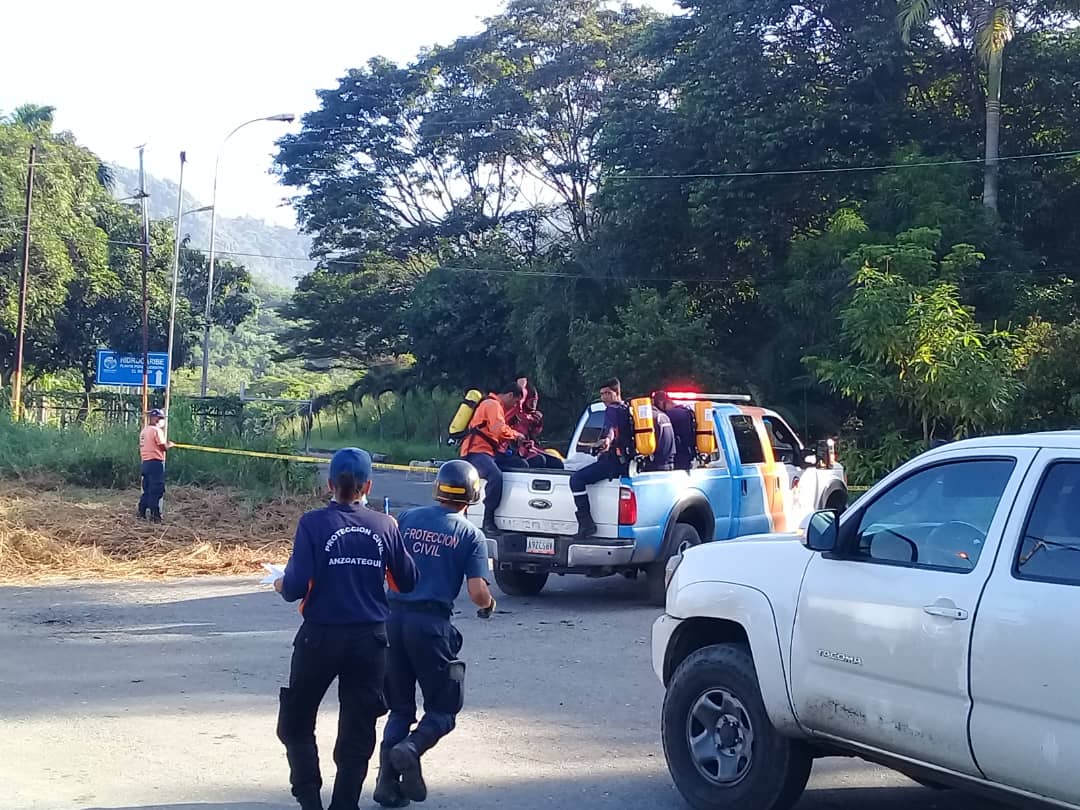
x=300, y=459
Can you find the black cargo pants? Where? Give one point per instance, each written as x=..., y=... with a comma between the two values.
x=423, y=650
x=356, y=655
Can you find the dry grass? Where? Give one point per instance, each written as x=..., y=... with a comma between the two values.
x=50, y=531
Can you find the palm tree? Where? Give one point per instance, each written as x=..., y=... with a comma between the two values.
x=994, y=29
x=32, y=116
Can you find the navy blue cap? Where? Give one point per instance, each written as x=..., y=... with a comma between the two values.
x=351, y=460
x=157, y=412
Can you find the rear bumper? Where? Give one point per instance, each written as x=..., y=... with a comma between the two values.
x=571, y=555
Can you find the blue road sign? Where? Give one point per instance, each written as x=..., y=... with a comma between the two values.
x=114, y=368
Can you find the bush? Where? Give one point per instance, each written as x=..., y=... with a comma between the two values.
x=108, y=457
x=867, y=465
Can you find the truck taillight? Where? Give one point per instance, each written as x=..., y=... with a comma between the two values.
x=627, y=507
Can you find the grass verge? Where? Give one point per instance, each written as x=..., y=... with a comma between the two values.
x=49, y=530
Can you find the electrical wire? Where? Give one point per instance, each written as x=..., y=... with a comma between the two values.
x=1036, y=272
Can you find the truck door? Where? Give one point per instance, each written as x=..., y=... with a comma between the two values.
x=1025, y=718
x=799, y=497
x=880, y=650
x=751, y=500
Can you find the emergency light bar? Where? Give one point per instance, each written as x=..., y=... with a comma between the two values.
x=695, y=397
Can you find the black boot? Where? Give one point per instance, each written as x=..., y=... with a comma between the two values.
x=388, y=785
x=309, y=800
x=405, y=759
x=586, y=525
x=489, y=528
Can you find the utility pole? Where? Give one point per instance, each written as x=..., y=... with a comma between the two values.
x=16, y=398
x=175, y=284
x=145, y=297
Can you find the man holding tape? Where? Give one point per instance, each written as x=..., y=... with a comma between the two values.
x=424, y=644
x=342, y=555
x=152, y=447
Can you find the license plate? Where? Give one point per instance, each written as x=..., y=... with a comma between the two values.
x=540, y=545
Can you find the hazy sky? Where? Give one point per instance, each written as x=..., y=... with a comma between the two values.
x=181, y=75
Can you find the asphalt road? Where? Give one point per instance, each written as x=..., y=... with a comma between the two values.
x=164, y=697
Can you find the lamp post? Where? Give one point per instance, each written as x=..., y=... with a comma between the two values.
x=284, y=118
x=180, y=214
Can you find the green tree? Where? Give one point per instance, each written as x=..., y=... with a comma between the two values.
x=535, y=81
x=908, y=340
x=32, y=116
x=452, y=343
x=66, y=240
x=349, y=316
x=657, y=339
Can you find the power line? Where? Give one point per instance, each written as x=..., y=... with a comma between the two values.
x=1058, y=155
x=840, y=169
x=1061, y=155
x=1035, y=272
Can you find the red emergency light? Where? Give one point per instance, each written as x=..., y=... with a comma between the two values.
x=694, y=396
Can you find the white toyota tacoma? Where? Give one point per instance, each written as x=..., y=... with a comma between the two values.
x=933, y=628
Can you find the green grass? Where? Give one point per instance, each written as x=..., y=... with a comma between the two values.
x=108, y=457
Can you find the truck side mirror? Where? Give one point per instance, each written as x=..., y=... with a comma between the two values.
x=823, y=531
x=809, y=460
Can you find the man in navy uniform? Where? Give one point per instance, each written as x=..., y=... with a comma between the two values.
x=616, y=448
x=423, y=643
x=663, y=459
x=684, y=424
x=342, y=555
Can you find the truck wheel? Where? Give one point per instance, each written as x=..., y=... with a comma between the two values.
x=721, y=749
x=683, y=536
x=520, y=583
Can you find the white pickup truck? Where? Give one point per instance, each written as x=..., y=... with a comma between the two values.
x=933, y=628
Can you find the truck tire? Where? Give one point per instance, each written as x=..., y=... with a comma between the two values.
x=740, y=761
x=520, y=583
x=683, y=536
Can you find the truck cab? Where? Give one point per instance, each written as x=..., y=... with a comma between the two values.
x=760, y=478
x=926, y=629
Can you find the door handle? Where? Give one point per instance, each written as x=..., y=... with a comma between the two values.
x=745, y=487
x=954, y=613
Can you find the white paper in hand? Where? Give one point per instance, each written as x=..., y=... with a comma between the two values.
x=276, y=571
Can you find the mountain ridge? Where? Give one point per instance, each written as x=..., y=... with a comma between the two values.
x=269, y=251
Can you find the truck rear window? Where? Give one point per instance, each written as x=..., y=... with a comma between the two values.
x=746, y=439
x=591, y=433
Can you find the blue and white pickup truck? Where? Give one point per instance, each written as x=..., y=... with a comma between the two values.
x=760, y=479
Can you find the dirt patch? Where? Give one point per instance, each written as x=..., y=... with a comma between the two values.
x=48, y=531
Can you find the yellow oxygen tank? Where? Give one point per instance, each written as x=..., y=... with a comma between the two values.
x=706, y=437
x=641, y=411
x=459, y=425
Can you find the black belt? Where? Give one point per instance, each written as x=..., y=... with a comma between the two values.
x=661, y=468
x=427, y=606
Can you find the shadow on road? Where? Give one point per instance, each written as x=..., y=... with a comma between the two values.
x=534, y=795
x=203, y=806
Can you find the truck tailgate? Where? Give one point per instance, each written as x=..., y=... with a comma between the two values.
x=540, y=502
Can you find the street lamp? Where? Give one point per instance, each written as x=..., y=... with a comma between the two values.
x=180, y=214
x=286, y=118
